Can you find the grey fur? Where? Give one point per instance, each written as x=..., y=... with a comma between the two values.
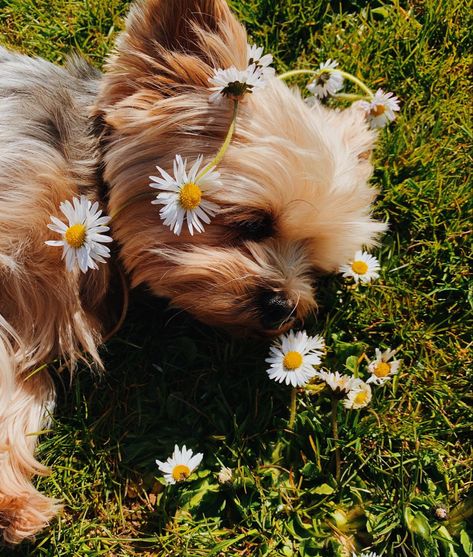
x=44, y=106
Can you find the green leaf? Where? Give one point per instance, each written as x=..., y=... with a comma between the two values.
x=323, y=489
x=418, y=524
x=351, y=363
x=466, y=542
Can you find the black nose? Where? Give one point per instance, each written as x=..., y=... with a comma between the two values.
x=275, y=307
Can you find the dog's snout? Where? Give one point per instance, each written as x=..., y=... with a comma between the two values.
x=276, y=307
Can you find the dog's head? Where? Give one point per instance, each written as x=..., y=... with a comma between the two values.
x=294, y=199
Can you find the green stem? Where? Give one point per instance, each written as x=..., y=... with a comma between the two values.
x=335, y=438
x=223, y=149
x=293, y=408
x=346, y=75
x=349, y=97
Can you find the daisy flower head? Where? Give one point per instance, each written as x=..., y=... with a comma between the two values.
x=327, y=81
x=234, y=84
x=183, y=195
x=358, y=396
x=381, y=368
x=262, y=62
x=83, y=235
x=338, y=382
x=370, y=554
x=293, y=356
x=380, y=110
x=363, y=267
x=180, y=465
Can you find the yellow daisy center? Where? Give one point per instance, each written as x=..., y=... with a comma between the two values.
x=378, y=110
x=292, y=360
x=361, y=397
x=190, y=196
x=75, y=235
x=382, y=369
x=359, y=267
x=180, y=472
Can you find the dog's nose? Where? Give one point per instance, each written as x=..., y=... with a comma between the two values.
x=276, y=308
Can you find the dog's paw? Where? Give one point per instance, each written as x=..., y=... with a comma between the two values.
x=21, y=517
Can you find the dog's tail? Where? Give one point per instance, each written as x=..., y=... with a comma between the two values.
x=25, y=400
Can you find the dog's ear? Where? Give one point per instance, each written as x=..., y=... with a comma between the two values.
x=170, y=45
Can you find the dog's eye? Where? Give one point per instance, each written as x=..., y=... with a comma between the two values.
x=256, y=228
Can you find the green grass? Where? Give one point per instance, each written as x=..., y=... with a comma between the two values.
x=171, y=380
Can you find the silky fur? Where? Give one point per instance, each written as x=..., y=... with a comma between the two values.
x=303, y=169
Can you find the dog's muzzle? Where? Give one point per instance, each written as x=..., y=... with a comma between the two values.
x=276, y=308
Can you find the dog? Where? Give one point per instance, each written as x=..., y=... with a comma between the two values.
x=295, y=202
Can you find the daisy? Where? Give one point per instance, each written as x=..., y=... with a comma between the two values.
x=381, y=108
x=82, y=237
x=234, y=84
x=255, y=56
x=336, y=381
x=381, y=368
x=362, y=268
x=183, y=195
x=180, y=465
x=370, y=554
x=358, y=396
x=225, y=475
x=327, y=81
x=293, y=356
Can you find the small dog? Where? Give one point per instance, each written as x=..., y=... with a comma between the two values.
x=295, y=202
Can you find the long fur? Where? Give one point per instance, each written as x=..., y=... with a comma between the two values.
x=301, y=171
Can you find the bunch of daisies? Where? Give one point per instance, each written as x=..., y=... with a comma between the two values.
x=295, y=356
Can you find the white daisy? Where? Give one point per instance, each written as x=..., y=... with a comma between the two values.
x=381, y=368
x=183, y=195
x=255, y=56
x=180, y=465
x=327, y=81
x=358, y=396
x=370, y=554
x=83, y=235
x=293, y=357
x=380, y=110
x=336, y=381
x=362, y=268
x=234, y=83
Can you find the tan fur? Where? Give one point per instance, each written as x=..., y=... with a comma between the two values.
x=303, y=168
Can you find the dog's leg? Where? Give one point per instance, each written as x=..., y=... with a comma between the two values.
x=24, y=403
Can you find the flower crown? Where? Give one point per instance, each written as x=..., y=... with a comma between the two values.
x=183, y=195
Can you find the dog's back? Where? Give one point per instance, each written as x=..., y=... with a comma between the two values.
x=48, y=154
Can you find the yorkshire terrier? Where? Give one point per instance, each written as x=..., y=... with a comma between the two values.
x=294, y=202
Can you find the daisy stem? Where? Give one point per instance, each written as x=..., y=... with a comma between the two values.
x=346, y=75
x=335, y=437
x=293, y=408
x=349, y=97
x=223, y=149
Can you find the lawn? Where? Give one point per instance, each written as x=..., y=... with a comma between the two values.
x=406, y=466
